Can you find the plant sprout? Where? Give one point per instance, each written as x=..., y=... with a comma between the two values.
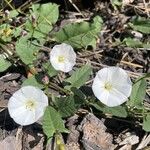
x=63, y=57
x=112, y=86
x=27, y=105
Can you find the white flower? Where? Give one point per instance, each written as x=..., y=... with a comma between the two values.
x=112, y=86
x=63, y=57
x=27, y=105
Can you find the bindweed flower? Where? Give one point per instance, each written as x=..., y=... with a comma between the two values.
x=63, y=57
x=112, y=86
x=27, y=105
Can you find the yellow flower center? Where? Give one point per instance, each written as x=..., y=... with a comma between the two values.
x=61, y=59
x=108, y=86
x=30, y=104
x=6, y=32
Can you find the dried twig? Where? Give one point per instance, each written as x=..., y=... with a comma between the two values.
x=76, y=8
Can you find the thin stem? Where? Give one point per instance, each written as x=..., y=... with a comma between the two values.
x=55, y=86
x=8, y=3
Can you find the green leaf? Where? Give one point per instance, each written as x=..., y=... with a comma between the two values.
x=34, y=81
x=118, y=111
x=66, y=106
x=79, y=77
x=138, y=93
x=146, y=123
x=81, y=34
x=78, y=93
x=26, y=50
x=46, y=12
x=49, y=69
x=116, y=3
x=17, y=31
x=13, y=13
x=45, y=16
x=40, y=31
x=141, y=24
x=52, y=122
x=97, y=105
x=147, y=75
x=133, y=43
x=4, y=64
x=146, y=46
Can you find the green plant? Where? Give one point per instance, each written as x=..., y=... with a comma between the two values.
x=34, y=33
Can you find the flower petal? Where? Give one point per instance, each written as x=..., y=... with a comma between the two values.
x=116, y=98
x=17, y=105
x=65, y=51
x=29, y=119
x=16, y=111
x=34, y=93
x=15, y=102
x=97, y=87
x=120, y=86
x=103, y=75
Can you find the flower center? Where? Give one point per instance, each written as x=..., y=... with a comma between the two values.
x=108, y=86
x=61, y=59
x=30, y=104
x=7, y=32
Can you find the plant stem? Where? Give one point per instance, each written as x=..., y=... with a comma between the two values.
x=55, y=86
